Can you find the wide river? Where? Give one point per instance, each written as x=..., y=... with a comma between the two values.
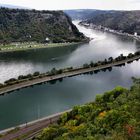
x=42, y=100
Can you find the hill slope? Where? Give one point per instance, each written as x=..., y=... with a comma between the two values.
x=84, y=14
x=12, y=6
x=115, y=115
x=126, y=21
x=32, y=25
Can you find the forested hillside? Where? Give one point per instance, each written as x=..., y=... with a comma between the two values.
x=32, y=25
x=125, y=21
x=115, y=115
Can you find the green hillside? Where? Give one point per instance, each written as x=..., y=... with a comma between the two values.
x=115, y=115
x=17, y=25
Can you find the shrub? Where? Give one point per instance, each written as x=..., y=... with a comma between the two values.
x=36, y=73
x=86, y=65
x=1, y=85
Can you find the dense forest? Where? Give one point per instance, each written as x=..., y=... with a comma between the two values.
x=115, y=115
x=19, y=25
x=125, y=21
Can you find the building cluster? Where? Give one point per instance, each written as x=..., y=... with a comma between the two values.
x=119, y=32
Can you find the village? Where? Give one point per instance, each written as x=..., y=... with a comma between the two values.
x=105, y=29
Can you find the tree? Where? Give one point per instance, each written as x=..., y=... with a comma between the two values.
x=110, y=59
x=36, y=73
x=86, y=65
x=91, y=64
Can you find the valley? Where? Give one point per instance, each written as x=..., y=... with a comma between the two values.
x=70, y=73
x=43, y=100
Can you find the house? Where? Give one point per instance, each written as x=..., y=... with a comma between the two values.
x=135, y=34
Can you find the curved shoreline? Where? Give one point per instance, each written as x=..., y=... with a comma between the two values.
x=108, y=30
x=73, y=72
x=39, y=46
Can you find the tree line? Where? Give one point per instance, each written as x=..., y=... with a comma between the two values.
x=54, y=71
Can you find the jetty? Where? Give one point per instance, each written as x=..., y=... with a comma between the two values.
x=73, y=72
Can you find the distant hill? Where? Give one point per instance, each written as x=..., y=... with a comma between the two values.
x=79, y=14
x=126, y=21
x=13, y=6
x=32, y=25
x=83, y=14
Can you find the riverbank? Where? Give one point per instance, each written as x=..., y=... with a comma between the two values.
x=29, y=129
x=105, y=29
x=37, y=78
x=33, y=46
x=106, y=106
x=113, y=115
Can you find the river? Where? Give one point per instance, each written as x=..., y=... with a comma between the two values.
x=42, y=100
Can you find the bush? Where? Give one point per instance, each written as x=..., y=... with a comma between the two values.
x=20, y=77
x=29, y=76
x=1, y=85
x=10, y=81
x=36, y=73
x=130, y=55
x=86, y=65
x=60, y=71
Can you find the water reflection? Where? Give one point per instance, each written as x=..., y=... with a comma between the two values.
x=45, y=99
x=103, y=46
x=22, y=105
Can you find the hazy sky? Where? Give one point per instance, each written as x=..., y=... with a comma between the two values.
x=76, y=4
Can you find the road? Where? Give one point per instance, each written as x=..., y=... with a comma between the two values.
x=74, y=72
x=32, y=128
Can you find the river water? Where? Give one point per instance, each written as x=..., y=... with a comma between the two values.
x=42, y=100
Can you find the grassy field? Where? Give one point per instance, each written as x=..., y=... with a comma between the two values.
x=27, y=46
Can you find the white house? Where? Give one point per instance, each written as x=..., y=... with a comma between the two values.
x=135, y=34
x=47, y=39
